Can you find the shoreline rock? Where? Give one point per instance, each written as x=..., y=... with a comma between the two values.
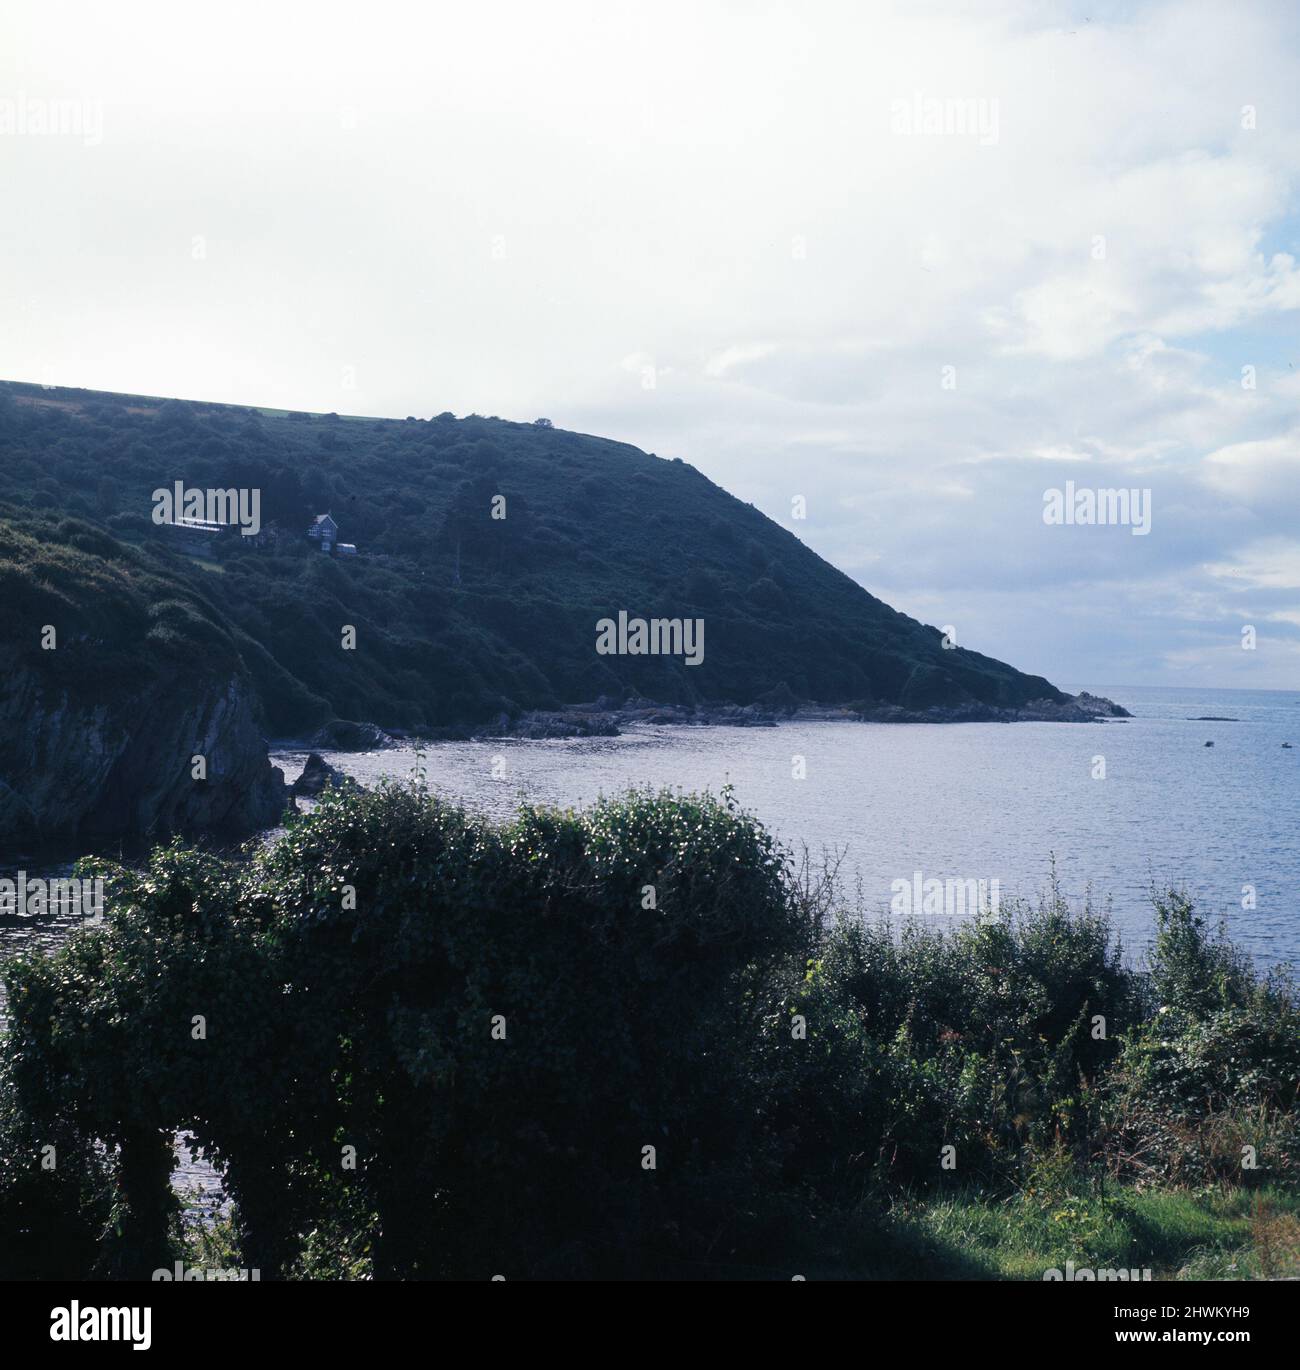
x=317, y=773
x=608, y=718
x=343, y=735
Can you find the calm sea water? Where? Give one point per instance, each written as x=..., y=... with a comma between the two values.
x=963, y=801
x=970, y=801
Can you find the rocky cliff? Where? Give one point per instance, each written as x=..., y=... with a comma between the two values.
x=73, y=769
x=126, y=710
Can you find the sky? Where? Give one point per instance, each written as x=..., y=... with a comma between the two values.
x=906, y=269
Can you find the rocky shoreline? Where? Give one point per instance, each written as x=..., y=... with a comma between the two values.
x=609, y=718
x=130, y=791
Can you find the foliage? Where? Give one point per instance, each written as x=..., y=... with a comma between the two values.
x=56, y=1200
x=347, y=982
x=117, y=613
x=433, y=1047
x=1214, y=1068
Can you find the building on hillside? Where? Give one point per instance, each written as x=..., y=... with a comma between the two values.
x=198, y=537
x=325, y=531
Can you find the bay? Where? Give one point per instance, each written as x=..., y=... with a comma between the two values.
x=971, y=801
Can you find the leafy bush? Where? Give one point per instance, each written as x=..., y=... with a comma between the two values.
x=55, y=1194
x=420, y=1045
x=348, y=983
x=983, y=1038
x=1214, y=1068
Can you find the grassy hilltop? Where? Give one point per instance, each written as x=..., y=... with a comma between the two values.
x=461, y=616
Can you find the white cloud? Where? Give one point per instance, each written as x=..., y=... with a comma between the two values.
x=739, y=355
x=1068, y=454
x=1262, y=470
x=1270, y=565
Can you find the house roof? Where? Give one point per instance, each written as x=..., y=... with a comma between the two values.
x=198, y=525
x=320, y=518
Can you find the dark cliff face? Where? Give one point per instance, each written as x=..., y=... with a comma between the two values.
x=72, y=769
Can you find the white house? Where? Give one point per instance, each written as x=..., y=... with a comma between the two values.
x=325, y=531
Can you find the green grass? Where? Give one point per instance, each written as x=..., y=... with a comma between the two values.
x=1216, y=1234
x=1233, y=1234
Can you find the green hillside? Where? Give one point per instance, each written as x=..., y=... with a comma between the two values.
x=460, y=616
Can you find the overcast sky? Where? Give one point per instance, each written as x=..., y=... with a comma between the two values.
x=750, y=235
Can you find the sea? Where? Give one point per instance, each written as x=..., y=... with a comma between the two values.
x=1114, y=808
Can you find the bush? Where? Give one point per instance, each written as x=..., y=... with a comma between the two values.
x=1208, y=1083
x=349, y=983
x=981, y=1038
x=601, y=1043
x=55, y=1194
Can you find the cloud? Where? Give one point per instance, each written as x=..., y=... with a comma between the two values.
x=1266, y=469
x=1270, y=565
x=739, y=355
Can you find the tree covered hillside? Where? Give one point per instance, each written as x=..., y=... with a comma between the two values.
x=460, y=616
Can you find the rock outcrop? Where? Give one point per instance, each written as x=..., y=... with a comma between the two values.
x=343, y=735
x=81, y=768
x=1080, y=708
x=316, y=774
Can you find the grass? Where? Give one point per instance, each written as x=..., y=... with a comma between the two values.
x=1217, y=1234
x=1178, y=1235
x=1060, y=1214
